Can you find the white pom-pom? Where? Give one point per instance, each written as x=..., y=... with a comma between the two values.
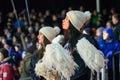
x=88, y=15
x=57, y=30
x=58, y=39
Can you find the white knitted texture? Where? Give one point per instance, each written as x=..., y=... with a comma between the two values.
x=57, y=30
x=78, y=18
x=49, y=32
x=92, y=57
x=58, y=39
x=56, y=60
x=87, y=14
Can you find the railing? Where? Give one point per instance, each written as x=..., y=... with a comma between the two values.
x=117, y=54
x=103, y=74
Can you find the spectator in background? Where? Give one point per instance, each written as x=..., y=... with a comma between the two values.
x=48, y=18
x=9, y=36
x=82, y=8
x=116, y=22
x=19, y=23
x=96, y=17
x=19, y=51
x=25, y=65
x=109, y=24
x=9, y=27
x=16, y=40
x=113, y=11
x=55, y=20
x=27, y=41
x=9, y=46
x=105, y=15
x=18, y=32
x=11, y=51
x=108, y=45
x=8, y=70
x=99, y=34
x=37, y=26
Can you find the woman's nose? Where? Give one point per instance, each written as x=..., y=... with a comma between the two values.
x=38, y=36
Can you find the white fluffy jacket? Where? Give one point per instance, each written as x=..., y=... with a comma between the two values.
x=56, y=64
x=92, y=57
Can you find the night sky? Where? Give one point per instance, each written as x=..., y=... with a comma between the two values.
x=56, y=5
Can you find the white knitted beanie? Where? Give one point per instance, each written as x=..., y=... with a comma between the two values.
x=78, y=18
x=50, y=32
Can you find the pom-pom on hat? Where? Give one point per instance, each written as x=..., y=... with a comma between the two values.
x=50, y=32
x=78, y=18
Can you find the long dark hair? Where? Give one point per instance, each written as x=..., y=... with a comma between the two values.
x=41, y=51
x=74, y=34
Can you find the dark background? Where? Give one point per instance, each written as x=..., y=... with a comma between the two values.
x=56, y=5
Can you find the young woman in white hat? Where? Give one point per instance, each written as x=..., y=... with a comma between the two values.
x=55, y=62
x=80, y=45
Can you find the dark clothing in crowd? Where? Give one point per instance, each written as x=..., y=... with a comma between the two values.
x=25, y=72
x=32, y=67
x=25, y=68
x=117, y=31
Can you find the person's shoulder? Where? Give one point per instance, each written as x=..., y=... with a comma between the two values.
x=35, y=54
x=5, y=65
x=118, y=25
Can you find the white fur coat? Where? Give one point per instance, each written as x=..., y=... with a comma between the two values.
x=56, y=61
x=92, y=57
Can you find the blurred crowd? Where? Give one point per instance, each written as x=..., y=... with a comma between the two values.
x=19, y=37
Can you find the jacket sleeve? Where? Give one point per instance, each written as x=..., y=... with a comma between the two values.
x=117, y=33
x=32, y=66
x=109, y=54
